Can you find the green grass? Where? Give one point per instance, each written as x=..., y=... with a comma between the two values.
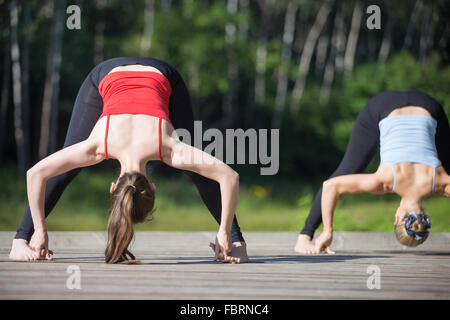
x=271, y=205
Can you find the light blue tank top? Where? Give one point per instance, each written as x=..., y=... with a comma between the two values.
x=408, y=138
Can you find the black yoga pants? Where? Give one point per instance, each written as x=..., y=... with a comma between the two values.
x=88, y=108
x=365, y=137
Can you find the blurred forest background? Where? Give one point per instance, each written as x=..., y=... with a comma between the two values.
x=305, y=67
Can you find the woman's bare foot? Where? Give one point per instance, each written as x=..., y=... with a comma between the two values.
x=21, y=251
x=239, y=252
x=304, y=244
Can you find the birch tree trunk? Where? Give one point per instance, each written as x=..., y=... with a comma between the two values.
x=232, y=66
x=6, y=86
x=282, y=83
x=99, y=36
x=308, y=50
x=350, y=50
x=411, y=24
x=17, y=89
x=26, y=82
x=427, y=33
x=149, y=17
x=261, y=53
x=340, y=41
x=321, y=55
x=49, y=119
x=243, y=25
x=330, y=68
x=386, y=44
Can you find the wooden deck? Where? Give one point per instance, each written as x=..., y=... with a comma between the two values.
x=179, y=265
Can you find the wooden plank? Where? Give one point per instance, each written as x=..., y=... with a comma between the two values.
x=180, y=266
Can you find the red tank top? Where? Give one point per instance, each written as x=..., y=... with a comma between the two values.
x=135, y=92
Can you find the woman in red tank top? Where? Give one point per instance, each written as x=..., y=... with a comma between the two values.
x=130, y=116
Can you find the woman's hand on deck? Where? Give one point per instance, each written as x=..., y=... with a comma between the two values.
x=323, y=242
x=39, y=243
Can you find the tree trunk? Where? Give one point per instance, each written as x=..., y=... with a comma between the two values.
x=282, y=84
x=340, y=41
x=261, y=53
x=49, y=120
x=386, y=44
x=232, y=67
x=99, y=36
x=330, y=68
x=308, y=50
x=17, y=89
x=6, y=85
x=26, y=83
x=243, y=25
x=149, y=17
x=411, y=25
x=427, y=33
x=350, y=50
x=321, y=55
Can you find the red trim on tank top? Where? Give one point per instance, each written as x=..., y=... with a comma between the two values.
x=159, y=139
x=106, y=137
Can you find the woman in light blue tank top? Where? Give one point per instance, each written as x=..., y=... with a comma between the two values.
x=413, y=136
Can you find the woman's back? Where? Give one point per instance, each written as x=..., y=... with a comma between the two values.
x=408, y=176
x=129, y=135
x=135, y=113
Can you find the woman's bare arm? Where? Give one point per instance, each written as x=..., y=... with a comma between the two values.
x=182, y=156
x=332, y=190
x=353, y=183
x=78, y=155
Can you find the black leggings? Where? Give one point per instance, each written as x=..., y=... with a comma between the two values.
x=88, y=108
x=365, y=137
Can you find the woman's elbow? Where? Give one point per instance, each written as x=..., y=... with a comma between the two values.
x=235, y=176
x=329, y=186
x=34, y=173
x=230, y=177
x=31, y=172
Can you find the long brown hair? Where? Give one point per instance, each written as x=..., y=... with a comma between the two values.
x=132, y=202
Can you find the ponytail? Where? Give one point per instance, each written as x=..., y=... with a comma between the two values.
x=131, y=203
x=120, y=229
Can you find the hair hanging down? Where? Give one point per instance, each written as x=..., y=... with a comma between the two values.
x=413, y=229
x=131, y=202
